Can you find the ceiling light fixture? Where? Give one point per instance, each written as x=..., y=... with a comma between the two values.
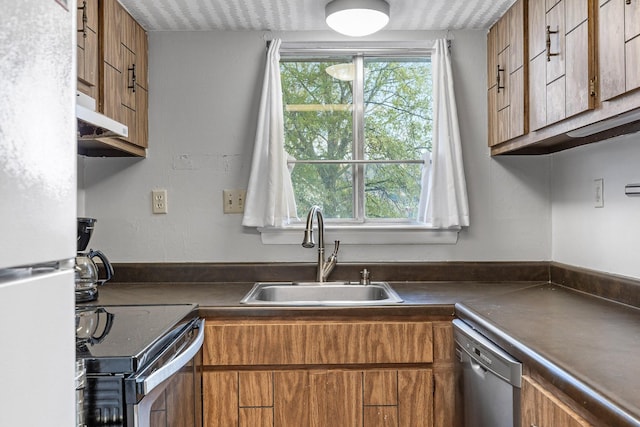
x=357, y=18
x=345, y=72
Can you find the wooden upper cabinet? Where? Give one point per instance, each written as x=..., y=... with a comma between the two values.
x=619, y=47
x=506, y=70
x=141, y=50
x=562, y=60
x=124, y=87
x=111, y=18
x=87, y=47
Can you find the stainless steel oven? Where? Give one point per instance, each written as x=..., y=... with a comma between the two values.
x=143, y=365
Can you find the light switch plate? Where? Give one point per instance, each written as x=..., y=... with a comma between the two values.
x=233, y=201
x=598, y=193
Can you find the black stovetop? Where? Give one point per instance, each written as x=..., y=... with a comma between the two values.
x=127, y=337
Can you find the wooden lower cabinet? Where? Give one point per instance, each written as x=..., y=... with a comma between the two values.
x=330, y=374
x=542, y=408
x=318, y=398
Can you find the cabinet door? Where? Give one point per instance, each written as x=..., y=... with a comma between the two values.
x=632, y=70
x=317, y=343
x=537, y=28
x=632, y=45
x=505, y=67
x=492, y=56
x=555, y=34
x=141, y=49
x=517, y=96
x=492, y=116
x=127, y=84
x=537, y=92
x=492, y=66
x=142, y=117
x=503, y=72
x=579, y=94
x=319, y=398
x=580, y=57
x=611, y=49
x=112, y=14
x=631, y=20
x=518, y=91
x=123, y=89
x=91, y=44
x=541, y=408
x=517, y=27
x=566, y=66
x=111, y=93
x=129, y=60
x=87, y=43
x=619, y=47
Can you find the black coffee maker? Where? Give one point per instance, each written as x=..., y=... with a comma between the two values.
x=87, y=272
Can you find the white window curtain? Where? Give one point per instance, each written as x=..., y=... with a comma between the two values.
x=270, y=200
x=443, y=197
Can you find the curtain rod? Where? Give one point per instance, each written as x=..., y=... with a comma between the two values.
x=361, y=45
x=354, y=162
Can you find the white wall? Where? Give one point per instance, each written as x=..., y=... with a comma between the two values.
x=605, y=239
x=204, y=92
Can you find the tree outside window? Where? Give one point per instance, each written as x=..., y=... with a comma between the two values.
x=345, y=119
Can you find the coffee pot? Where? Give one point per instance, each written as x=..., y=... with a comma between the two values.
x=87, y=272
x=92, y=325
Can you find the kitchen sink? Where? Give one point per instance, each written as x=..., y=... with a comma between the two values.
x=325, y=293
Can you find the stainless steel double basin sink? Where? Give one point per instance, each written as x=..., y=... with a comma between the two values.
x=321, y=294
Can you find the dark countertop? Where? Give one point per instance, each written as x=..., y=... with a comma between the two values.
x=586, y=346
x=223, y=299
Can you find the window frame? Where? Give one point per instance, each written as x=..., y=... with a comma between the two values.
x=361, y=230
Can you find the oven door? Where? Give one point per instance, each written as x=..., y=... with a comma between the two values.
x=169, y=392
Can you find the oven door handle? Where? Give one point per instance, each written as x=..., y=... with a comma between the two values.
x=175, y=364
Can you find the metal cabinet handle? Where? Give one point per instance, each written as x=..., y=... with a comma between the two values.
x=84, y=19
x=628, y=2
x=549, y=54
x=132, y=70
x=500, y=70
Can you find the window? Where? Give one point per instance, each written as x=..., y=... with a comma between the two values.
x=357, y=126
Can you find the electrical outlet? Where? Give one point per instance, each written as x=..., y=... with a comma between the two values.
x=233, y=201
x=598, y=193
x=159, y=201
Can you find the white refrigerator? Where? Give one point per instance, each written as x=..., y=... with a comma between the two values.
x=37, y=212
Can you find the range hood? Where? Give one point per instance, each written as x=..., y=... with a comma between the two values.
x=92, y=124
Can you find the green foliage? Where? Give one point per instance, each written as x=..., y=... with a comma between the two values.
x=319, y=125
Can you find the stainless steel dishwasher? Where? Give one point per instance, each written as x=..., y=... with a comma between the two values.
x=491, y=380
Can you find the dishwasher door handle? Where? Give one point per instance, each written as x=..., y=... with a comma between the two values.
x=480, y=370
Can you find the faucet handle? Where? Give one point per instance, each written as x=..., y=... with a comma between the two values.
x=364, y=277
x=336, y=246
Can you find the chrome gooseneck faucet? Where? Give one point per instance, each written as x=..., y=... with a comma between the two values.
x=324, y=267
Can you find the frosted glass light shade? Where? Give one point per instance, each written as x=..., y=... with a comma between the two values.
x=357, y=18
x=345, y=72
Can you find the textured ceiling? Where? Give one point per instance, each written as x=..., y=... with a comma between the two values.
x=306, y=15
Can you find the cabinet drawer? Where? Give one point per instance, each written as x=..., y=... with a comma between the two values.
x=317, y=343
